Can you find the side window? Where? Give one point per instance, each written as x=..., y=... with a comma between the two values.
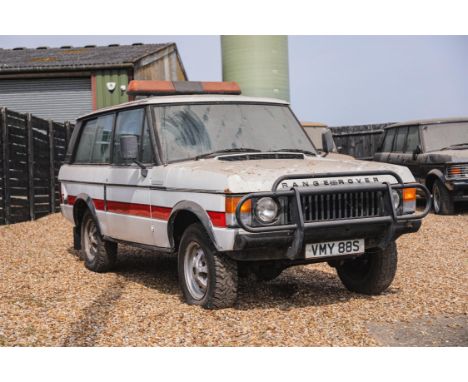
x=101, y=148
x=400, y=140
x=146, y=147
x=388, y=141
x=128, y=122
x=85, y=145
x=413, y=139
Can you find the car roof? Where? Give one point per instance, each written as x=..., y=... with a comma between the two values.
x=193, y=98
x=435, y=121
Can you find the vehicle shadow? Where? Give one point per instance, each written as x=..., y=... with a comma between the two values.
x=296, y=287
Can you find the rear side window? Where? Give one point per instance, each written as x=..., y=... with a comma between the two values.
x=83, y=152
x=102, y=142
x=128, y=122
x=388, y=142
x=413, y=139
x=400, y=140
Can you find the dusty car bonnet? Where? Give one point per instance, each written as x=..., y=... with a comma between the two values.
x=259, y=175
x=445, y=156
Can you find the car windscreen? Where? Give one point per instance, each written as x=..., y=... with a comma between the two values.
x=191, y=130
x=444, y=136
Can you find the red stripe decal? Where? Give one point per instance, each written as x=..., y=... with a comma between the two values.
x=148, y=211
x=129, y=208
x=161, y=213
x=99, y=204
x=217, y=218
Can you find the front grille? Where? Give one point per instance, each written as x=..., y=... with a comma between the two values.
x=343, y=205
x=457, y=171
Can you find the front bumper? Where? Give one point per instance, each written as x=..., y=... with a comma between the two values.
x=458, y=189
x=288, y=241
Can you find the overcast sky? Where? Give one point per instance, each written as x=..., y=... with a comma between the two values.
x=338, y=80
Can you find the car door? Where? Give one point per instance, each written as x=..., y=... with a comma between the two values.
x=397, y=154
x=386, y=146
x=128, y=204
x=91, y=164
x=410, y=160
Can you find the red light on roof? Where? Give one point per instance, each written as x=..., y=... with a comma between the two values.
x=150, y=88
x=147, y=88
x=221, y=87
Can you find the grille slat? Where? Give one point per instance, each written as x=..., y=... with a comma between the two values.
x=457, y=171
x=342, y=205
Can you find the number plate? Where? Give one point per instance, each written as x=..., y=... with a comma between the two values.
x=335, y=248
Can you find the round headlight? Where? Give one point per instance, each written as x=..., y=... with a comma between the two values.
x=266, y=210
x=396, y=198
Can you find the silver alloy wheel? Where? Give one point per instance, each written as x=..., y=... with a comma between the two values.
x=196, y=270
x=90, y=239
x=436, y=198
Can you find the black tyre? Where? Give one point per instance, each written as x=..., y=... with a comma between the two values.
x=371, y=273
x=98, y=254
x=443, y=203
x=207, y=277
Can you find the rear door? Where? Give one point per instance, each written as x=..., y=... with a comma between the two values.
x=386, y=147
x=409, y=160
x=399, y=142
x=127, y=190
x=90, y=167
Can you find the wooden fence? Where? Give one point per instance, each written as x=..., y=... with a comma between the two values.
x=31, y=152
x=360, y=141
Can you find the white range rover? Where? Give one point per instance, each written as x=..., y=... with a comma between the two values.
x=232, y=185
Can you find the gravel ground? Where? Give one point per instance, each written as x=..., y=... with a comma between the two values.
x=48, y=298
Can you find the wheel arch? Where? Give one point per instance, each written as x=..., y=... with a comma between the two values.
x=432, y=176
x=82, y=204
x=184, y=214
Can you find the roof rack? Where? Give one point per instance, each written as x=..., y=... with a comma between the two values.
x=161, y=88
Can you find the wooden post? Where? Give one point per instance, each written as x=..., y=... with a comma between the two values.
x=52, y=166
x=6, y=165
x=29, y=132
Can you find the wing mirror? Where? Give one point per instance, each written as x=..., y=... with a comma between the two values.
x=327, y=142
x=129, y=151
x=417, y=151
x=129, y=147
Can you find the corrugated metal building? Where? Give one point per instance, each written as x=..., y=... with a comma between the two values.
x=63, y=83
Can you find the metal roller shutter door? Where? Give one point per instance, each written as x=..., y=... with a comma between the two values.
x=59, y=99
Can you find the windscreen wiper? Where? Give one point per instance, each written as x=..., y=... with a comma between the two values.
x=296, y=151
x=233, y=150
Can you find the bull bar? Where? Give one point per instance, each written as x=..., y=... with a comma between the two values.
x=300, y=225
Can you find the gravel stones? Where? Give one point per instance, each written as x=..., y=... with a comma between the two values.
x=48, y=298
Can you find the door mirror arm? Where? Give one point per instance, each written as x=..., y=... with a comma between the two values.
x=144, y=170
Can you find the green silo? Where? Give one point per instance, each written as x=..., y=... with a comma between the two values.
x=259, y=64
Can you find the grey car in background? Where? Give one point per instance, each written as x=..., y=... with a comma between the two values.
x=436, y=152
